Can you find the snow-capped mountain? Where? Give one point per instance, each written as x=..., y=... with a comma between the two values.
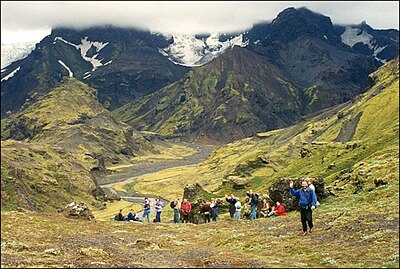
x=381, y=44
x=15, y=51
x=191, y=50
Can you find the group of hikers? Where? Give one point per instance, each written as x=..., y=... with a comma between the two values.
x=209, y=210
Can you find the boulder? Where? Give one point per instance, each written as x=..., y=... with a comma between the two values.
x=195, y=195
x=77, y=210
x=111, y=194
x=279, y=191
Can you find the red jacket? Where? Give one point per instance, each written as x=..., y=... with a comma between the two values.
x=186, y=208
x=280, y=210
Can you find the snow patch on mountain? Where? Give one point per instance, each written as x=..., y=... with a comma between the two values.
x=187, y=50
x=352, y=36
x=66, y=67
x=15, y=51
x=84, y=47
x=11, y=74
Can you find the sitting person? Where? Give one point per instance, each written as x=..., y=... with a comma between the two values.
x=266, y=208
x=132, y=216
x=278, y=210
x=119, y=216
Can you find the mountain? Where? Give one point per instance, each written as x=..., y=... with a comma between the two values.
x=234, y=96
x=122, y=64
x=12, y=52
x=306, y=46
x=295, y=66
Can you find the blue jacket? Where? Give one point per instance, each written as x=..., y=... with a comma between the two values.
x=307, y=197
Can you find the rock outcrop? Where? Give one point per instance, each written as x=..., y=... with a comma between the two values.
x=279, y=191
x=77, y=210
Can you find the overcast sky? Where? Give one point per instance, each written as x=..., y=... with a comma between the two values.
x=31, y=21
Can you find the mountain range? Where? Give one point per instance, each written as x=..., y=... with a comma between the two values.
x=218, y=86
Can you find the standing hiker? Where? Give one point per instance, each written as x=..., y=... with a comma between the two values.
x=146, y=210
x=253, y=200
x=307, y=203
x=214, y=210
x=232, y=201
x=185, y=209
x=177, y=209
x=159, y=205
x=205, y=211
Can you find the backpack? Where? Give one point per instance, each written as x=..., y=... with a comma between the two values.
x=172, y=204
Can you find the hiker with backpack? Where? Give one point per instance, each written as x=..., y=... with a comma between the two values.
x=307, y=203
x=119, y=216
x=232, y=201
x=159, y=205
x=253, y=200
x=146, y=209
x=176, y=205
x=185, y=209
x=214, y=210
x=205, y=211
x=238, y=208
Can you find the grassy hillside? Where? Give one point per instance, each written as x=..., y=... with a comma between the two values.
x=71, y=117
x=55, y=147
x=40, y=177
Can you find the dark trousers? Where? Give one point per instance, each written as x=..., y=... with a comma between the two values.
x=185, y=218
x=231, y=213
x=158, y=217
x=306, y=217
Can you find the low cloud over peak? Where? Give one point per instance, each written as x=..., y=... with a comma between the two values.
x=180, y=17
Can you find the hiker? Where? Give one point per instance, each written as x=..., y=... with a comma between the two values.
x=312, y=187
x=278, y=210
x=132, y=216
x=119, y=216
x=185, y=209
x=307, y=203
x=214, y=210
x=232, y=201
x=253, y=200
x=177, y=208
x=159, y=205
x=146, y=209
x=205, y=210
x=238, y=207
x=265, y=208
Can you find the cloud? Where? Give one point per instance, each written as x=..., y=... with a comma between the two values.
x=181, y=17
